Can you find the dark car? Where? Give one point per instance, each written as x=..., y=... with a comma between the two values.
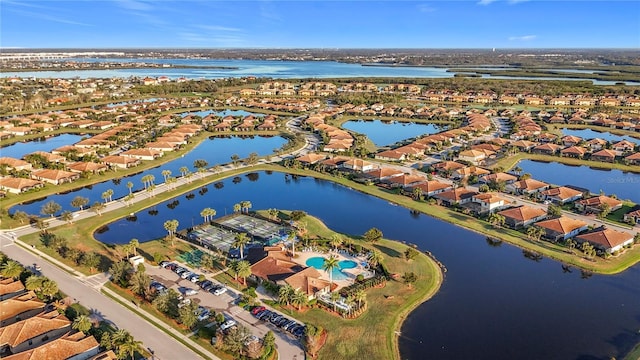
x=282, y=322
x=163, y=264
x=172, y=266
x=274, y=319
x=298, y=332
x=205, y=283
x=264, y=315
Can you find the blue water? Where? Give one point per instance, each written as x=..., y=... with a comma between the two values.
x=214, y=150
x=223, y=113
x=337, y=274
x=20, y=149
x=624, y=185
x=591, y=134
x=263, y=68
x=494, y=303
x=385, y=133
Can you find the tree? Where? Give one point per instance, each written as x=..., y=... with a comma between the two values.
x=167, y=303
x=74, y=255
x=605, y=209
x=410, y=253
x=201, y=165
x=372, y=235
x=360, y=296
x=208, y=214
x=328, y=266
x=235, y=159
x=233, y=267
x=245, y=205
x=79, y=202
x=336, y=241
x=554, y=210
x=375, y=258
x=166, y=174
x=34, y=283
x=417, y=193
x=571, y=244
x=496, y=220
x=97, y=207
x=50, y=208
x=285, y=293
x=534, y=233
x=107, y=195
x=252, y=159
x=237, y=207
x=20, y=216
x=297, y=215
x=119, y=271
x=91, y=260
x=273, y=213
x=129, y=347
x=82, y=323
x=187, y=315
x=240, y=241
x=335, y=296
x=207, y=261
x=130, y=187
x=409, y=278
x=106, y=341
x=235, y=339
x=134, y=243
x=49, y=288
x=140, y=283
x=243, y=269
x=171, y=226
x=184, y=171
x=11, y=269
x=67, y=216
x=299, y=299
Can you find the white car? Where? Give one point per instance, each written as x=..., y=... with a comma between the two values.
x=191, y=292
x=186, y=274
x=219, y=291
x=228, y=324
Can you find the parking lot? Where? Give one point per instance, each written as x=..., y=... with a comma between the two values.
x=288, y=345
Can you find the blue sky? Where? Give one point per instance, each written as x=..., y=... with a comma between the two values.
x=319, y=24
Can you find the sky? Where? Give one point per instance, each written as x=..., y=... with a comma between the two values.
x=319, y=24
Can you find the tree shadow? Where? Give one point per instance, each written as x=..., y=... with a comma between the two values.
x=387, y=251
x=145, y=255
x=105, y=263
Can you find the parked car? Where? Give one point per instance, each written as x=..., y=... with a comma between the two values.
x=289, y=325
x=191, y=292
x=179, y=270
x=186, y=274
x=257, y=309
x=219, y=291
x=274, y=319
x=281, y=322
x=172, y=266
x=208, y=286
x=163, y=264
x=264, y=315
x=214, y=288
x=194, y=278
x=228, y=325
x=205, y=283
x=184, y=303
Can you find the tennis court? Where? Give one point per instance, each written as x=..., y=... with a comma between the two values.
x=212, y=236
x=257, y=228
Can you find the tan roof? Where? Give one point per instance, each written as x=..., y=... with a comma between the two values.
x=456, y=194
x=48, y=156
x=82, y=166
x=530, y=184
x=562, y=225
x=499, y=177
x=311, y=158
x=548, y=147
x=635, y=156
x=13, y=307
x=605, y=153
x=12, y=162
x=275, y=266
x=53, y=174
x=561, y=192
x=431, y=186
x=141, y=152
x=160, y=145
x=307, y=280
x=117, y=159
x=383, y=172
x=574, y=150
x=10, y=286
x=18, y=183
x=607, y=238
x=523, y=213
x=490, y=198
x=405, y=179
x=599, y=200
x=63, y=348
x=17, y=333
x=448, y=165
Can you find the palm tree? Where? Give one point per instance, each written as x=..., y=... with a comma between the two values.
x=20, y=216
x=34, y=283
x=183, y=171
x=336, y=241
x=571, y=244
x=237, y=207
x=130, y=186
x=97, y=207
x=299, y=299
x=360, y=296
x=129, y=346
x=120, y=337
x=171, y=226
x=335, y=296
x=240, y=241
x=273, y=213
x=349, y=302
x=417, y=193
x=166, y=174
x=233, y=267
x=245, y=205
x=375, y=258
x=234, y=159
x=67, y=216
x=110, y=194
x=140, y=283
x=82, y=323
x=207, y=214
x=11, y=269
x=134, y=244
x=330, y=264
x=49, y=288
x=243, y=269
x=285, y=293
x=79, y=202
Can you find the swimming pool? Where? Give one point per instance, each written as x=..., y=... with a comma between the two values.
x=337, y=274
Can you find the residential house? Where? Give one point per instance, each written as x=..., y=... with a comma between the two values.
x=74, y=346
x=500, y=177
x=547, y=149
x=50, y=157
x=446, y=168
x=405, y=180
x=561, y=195
x=161, y=146
x=458, y=196
x=526, y=187
x=596, y=144
x=33, y=332
x=633, y=159
x=15, y=164
x=562, y=228
x=311, y=158
x=19, y=185
x=358, y=165
x=10, y=288
x=383, y=173
x=117, y=161
x=142, y=154
x=606, y=240
x=522, y=216
x=623, y=146
x=431, y=187
x=391, y=155
x=19, y=307
x=604, y=155
x=474, y=156
x=633, y=216
x=574, y=152
x=489, y=202
x=468, y=171
x=571, y=140
x=54, y=176
x=595, y=204
x=523, y=145
x=87, y=167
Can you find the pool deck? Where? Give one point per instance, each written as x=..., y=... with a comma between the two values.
x=305, y=254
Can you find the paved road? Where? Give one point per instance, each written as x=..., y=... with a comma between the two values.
x=87, y=292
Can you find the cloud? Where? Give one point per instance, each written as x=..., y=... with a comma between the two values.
x=522, y=38
x=219, y=28
x=48, y=17
x=516, y=1
x=486, y=2
x=424, y=8
x=134, y=5
x=511, y=2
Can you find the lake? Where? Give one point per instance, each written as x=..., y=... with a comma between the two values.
x=591, y=134
x=624, y=185
x=20, y=149
x=216, y=150
x=223, y=113
x=494, y=304
x=261, y=68
x=384, y=133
